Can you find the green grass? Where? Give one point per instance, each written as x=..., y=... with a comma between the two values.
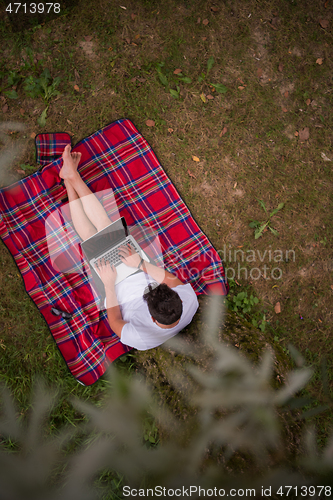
x=255, y=152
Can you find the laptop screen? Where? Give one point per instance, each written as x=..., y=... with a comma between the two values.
x=105, y=239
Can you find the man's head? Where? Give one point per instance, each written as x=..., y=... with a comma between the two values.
x=164, y=305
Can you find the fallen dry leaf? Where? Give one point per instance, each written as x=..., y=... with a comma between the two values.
x=241, y=87
x=88, y=38
x=280, y=67
x=324, y=157
x=68, y=121
x=214, y=9
x=209, y=96
x=286, y=93
x=199, y=20
x=177, y=71
x=296, y=134
x=133, y=80
x=69, y=132
x=2, y=98
x=308, y=102
x=273, y=23
x=204, y=38
x=22, y=111
x=20, y=171
x=5, y=108
x=190, y=174
x=122, y=7
x=284, y=110
x=304, y=134
x=259, y=72
x=223, y=131
x=137, y=36
x=77, y=88
x=235, y=188
x=319, y=60
x=324, y=23
x=170, y=130
x=133, y=16
x=195, y=158
x=150, y=123
x=277, y=308
x=32, y=135
x=205, y=22
x=203, y=97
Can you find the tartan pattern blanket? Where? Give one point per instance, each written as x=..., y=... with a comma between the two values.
x=49, y=147
x=115, y=157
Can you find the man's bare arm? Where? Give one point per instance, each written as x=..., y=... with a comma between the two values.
x=115, y=318
x=159, y=274
x=108, y=275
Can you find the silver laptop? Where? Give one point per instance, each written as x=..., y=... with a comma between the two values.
x=105, y=244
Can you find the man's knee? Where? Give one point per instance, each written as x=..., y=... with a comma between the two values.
x=103, y=223
x=89, y=232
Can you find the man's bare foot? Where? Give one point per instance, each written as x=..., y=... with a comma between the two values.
x=70, y=163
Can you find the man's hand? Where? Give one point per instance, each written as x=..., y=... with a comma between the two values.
x=107, y=272
x=129, y=256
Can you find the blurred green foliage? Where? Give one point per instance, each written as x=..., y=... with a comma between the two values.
x=237, y=411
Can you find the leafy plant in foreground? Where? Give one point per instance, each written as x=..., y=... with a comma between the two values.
x=261, y=226
x=179, y=77
x=219, y=87
x=43, y=87
x=13, y=79
x=236, y=411
x=164, y=80
x=243, y=305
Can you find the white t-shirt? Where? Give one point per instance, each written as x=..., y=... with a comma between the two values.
x=141, y=332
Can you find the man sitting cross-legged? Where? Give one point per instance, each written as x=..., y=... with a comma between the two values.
x=143, y=317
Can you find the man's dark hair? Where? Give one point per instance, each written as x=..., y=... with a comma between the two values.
x=164, y=304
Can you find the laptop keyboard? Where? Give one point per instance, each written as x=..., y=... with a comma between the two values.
x=112, y=255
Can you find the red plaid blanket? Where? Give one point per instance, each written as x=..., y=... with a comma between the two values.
x=49, y=147
x=118, y=158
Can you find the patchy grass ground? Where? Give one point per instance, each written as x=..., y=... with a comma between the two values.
x=268, y=137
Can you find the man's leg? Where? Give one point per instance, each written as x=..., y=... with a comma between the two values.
x=92, y=207
x=84, y=228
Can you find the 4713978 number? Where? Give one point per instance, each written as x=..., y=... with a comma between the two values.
x=33, y=8
x=305, y=491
